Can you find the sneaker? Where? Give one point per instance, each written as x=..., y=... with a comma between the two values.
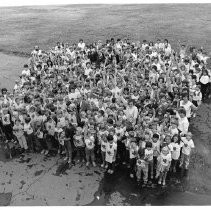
x=131, y=176
x=123, y=163
x=66, y=158
x=87, y=164
x=106, y=166
x=46, y=152
x=78, y=161
x=164, y=183
x=159, y=182
x=111, y=171
x=94, y=164
x=42, y=152
x=102, y=165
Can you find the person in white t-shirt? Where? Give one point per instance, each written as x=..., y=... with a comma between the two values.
x=175, y=148
x=81, y=44
x=131, y=112
x=89, y=150
x=187, y=145
x=187, y=105
x=164, y=163
x=29, y=133
x=183, y=123
x=111, y=151
x=26, y=70
x=133, y=151
x=18, y=132
x=149, y=158
x=141, y=167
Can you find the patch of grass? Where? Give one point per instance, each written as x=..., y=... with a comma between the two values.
x=24, y=27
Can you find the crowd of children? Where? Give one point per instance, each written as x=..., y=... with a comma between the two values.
x=106, y=103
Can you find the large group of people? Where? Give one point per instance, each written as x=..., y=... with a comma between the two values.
x=106, y=103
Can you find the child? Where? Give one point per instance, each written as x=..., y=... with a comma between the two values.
x=61, y=138
x=18, y=132
x=90, y=143
x=29, y=133
x=148, y=152
x=78, y=140
x=173, y=128
x=156, y=149
x=133, y=149
x=187, y=145
x=183, y=123
x=197, y=96
x=164, y=162
x=175, y=148
x=6, y=122
x=111, y=150
x=141, y=167
x=41, y=140
x=103, y=143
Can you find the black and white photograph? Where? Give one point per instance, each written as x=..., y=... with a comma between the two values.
x=105, y=103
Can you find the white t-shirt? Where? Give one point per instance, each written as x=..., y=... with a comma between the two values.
x=156, y=148
x=204, y=79
x=110, y=150
x=141, y=163
x=103, y=145
x=73, y=95
x=183, y=124
x=89, y=143
x=187, y=107
x=173, y=131
x=164, y=159
x=6, y=119
x=26, y=72
x=87, y=71
x=133, y=151
x=186, y=145
x=175, y=150
x=81, y=45
x=148, y=154
x=28, y=129
x=131, y=113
